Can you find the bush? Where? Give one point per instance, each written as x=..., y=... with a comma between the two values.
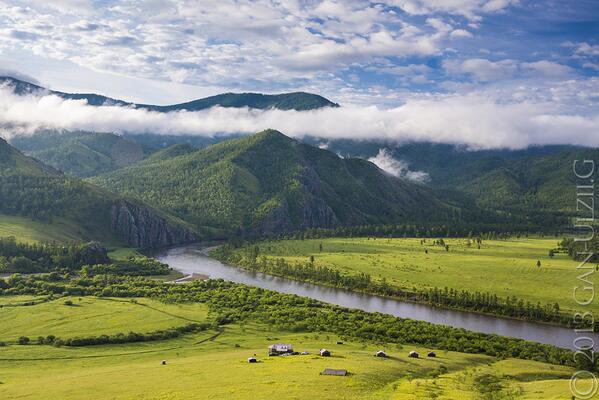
x=24, y=340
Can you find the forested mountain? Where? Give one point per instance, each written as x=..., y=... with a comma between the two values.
x=537, y=181
x=80, y=153
x=30, y=189
x=298, y=101
x=270, y=184
x=286, y=101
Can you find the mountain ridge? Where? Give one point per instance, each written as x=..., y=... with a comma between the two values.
x=299, y=101
x=269, y=184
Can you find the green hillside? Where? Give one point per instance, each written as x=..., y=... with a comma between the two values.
x=536, y=183
x=72, y=208
x=270, y=184
x=175, y=150
x=80, y=153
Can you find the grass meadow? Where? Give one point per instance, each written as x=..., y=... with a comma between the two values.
x=213, y=364
x=29, y=231
x=502, y=267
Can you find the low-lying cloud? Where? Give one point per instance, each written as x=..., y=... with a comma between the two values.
x=474, y=120
x=398, y=168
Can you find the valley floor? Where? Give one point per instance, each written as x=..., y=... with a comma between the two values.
x=501, y=267
x=213, y=364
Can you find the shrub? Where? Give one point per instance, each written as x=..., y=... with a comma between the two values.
x=24, y=340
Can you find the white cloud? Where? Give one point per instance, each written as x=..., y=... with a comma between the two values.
x=547, y=68
x=460, y=33
x=478, y=120
x=471, y=9
x=398, y=168
x=209, y=42
x=583, y=48
x=590, y=65
x=484, y=70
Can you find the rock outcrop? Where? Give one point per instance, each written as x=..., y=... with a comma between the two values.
x=94, y=253
x=142, y=227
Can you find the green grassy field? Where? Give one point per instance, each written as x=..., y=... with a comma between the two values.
x=28, y=230
x=213, y=365
x=122, y=253
x=90, y=316
x=503, y=267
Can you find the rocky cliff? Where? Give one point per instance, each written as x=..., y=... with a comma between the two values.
x=143, y=228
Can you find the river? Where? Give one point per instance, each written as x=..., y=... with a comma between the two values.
x=194, y=259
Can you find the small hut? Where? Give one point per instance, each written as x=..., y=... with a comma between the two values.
x=252, y=360
x=414, y=354
x=381, y=354
x=335, y=372
x=279, y=349
x=325, y=353
x=431, y=354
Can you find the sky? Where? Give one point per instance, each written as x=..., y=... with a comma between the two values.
x=488, y=73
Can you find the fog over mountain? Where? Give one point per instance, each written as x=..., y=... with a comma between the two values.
x=476, y=120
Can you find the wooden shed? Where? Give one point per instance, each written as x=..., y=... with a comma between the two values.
x=325, y=353
x=335, y=372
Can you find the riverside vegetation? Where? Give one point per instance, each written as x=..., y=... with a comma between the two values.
x=528, y=273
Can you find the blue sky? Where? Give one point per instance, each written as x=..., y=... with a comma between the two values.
x=532, y=63
x=352, y=51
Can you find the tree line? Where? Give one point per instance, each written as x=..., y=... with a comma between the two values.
x=43, y=257
x=88, y=258
x=484, y=231
x=119, y=338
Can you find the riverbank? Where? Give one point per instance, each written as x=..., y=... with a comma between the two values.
x=193, y=259
x=459, y=300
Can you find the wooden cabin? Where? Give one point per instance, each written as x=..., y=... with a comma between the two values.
x=278, y=349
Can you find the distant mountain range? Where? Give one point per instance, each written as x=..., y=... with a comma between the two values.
x=299, y=101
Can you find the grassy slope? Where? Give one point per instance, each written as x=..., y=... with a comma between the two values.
x=28, y=230
x=505, y=268
x=202, y=366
